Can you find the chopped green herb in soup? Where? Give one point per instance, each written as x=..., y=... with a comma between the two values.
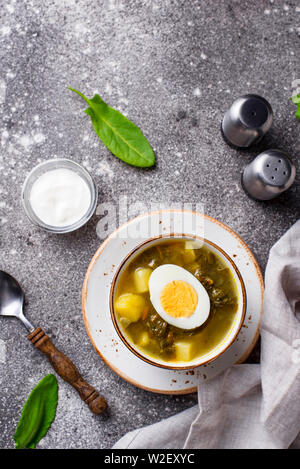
x=177, y=300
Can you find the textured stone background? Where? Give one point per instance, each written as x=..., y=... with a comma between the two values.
x=173, y=67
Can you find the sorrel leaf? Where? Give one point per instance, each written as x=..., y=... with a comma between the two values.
x=296, y=100
x=38, y=413
x=121, y=136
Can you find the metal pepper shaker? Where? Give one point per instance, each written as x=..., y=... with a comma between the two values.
x=268, y=175
x=247, y=120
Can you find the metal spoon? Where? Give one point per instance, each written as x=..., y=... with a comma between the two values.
x=11, y=304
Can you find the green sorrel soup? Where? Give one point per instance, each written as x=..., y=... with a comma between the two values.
x=176, y=328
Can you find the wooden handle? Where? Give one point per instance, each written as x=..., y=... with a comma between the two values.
x=66, y=369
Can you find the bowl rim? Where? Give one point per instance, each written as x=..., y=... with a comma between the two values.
x=176, y=236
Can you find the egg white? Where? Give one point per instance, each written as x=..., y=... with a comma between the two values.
x=167, y=273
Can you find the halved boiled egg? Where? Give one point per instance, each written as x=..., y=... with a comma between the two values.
x=178, y=297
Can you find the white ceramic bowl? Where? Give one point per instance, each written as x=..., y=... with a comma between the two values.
x=217, y=351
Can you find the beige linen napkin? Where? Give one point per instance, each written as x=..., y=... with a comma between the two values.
x=248, y=406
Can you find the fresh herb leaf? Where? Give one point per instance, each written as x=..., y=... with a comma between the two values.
x=38, y=413
x=121, y=136
x=296, y=100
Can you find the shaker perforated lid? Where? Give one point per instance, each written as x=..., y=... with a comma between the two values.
x=268, y=175
x=247, y=120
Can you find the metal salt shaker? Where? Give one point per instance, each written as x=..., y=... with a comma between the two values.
x=247, y=120
x=268, y=175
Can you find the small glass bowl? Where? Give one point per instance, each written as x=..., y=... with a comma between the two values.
x=48, y=166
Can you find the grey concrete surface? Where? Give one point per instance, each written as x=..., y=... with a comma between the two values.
x=173, y=67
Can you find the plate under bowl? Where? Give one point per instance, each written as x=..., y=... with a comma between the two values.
x=96, y=308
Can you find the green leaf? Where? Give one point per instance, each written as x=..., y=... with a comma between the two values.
x=296, y=100
x=121, y=136
x=38, y=413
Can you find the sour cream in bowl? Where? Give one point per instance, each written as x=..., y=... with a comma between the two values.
x=59, y=196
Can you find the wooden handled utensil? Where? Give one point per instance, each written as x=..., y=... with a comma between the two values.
x=11, y=304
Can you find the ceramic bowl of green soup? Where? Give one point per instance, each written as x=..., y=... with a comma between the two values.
x=177, y=302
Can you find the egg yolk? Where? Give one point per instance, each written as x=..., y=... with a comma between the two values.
x=179, y=299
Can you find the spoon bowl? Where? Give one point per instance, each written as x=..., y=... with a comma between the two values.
x=12, y=299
